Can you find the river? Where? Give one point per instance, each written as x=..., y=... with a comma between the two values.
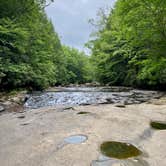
x=72, y=96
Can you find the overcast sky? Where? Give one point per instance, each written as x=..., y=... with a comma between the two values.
x=70, y=19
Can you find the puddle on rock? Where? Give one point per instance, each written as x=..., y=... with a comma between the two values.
x=119, y=150
x=76, y=139
x=21, y=117
x=83, y=113
x=24, y=124
x=158, y=125
x=69, y=108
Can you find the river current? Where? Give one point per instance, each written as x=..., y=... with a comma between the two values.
x=72, y=96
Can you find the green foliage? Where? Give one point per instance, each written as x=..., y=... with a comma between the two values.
x=153, y=71
x=28, y=46
x=31, y=55
x=130, y=49
x=78, y=68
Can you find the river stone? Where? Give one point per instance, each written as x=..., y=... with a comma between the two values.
x=25, y=98
x=2, y=109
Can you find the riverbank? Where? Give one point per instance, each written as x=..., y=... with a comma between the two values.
x=36, y=137
x=12, y=101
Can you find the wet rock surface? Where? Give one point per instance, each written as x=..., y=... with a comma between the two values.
x=92, y=95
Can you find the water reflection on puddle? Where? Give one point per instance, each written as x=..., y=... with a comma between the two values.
x=119, y=150
x=76, y=139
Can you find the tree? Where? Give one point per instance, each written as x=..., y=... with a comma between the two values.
x=130, y=50
x=29, y=46
x=78, y=68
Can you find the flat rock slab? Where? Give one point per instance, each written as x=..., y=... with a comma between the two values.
x=38, y=143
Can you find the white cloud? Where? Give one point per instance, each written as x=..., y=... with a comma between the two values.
x=70, y=18
x=84, y=1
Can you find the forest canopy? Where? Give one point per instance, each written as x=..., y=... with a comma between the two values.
x=31, y=54
x=131, y=48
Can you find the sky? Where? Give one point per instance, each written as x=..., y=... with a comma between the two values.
x=70, y=19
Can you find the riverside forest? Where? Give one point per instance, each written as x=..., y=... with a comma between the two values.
x=128, y=50
x=66, y=100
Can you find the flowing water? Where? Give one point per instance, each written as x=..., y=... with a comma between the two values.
x=86, y=96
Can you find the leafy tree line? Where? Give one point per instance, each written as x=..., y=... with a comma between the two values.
x=31, y=55
x=78, y=68
x=131, y=48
